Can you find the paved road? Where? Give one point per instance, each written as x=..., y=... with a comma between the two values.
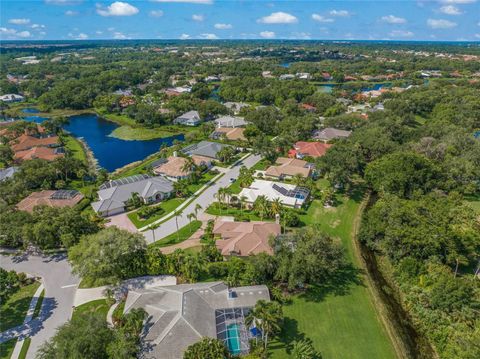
x=60, y=286
x=205, y=199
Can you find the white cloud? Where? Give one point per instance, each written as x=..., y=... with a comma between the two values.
x=477, y=36
x=223, y=26
x=14, y=34
x=202, y=2
x=208, y=36
x=117, y=35
x=450, y=10
x=342, y=13
x=110, y=28
x=82, y=36
x=198, y=17
x=267, y=34
x=184, y=36
x=278, y=18
x=392, y=19
x=401, y=33
x=301, y=35
x=71, y=13
x=37, y=26
x=440, y=24
x=458, y=1
x=19, y=21
x=118, y=8
x=99, y=32
x=320, y=18
x=156, y=13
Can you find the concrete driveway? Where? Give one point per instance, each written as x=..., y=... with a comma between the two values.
x=205, y=199
x=60, y=286
x=121, y=221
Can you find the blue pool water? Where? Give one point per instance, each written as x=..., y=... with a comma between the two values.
x=30, y=110
x=233, y=339
x=111, y=153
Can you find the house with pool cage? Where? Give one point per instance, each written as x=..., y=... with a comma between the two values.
x=182, y=315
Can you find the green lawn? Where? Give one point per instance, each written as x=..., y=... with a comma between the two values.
x=215, y=210
x=75, y=147
x=6, y=348
x=340, y=319
x=183, y=234
x=25, y=346
x=13, y=311
x=474, y=202
x=98, y=307
x=168, y=206
x=38, y=306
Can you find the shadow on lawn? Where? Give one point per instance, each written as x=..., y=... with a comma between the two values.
x=338, y=284
x=289, y=335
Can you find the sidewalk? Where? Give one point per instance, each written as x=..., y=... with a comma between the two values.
x=28, y=318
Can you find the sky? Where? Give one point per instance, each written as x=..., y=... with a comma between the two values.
x=432, y=20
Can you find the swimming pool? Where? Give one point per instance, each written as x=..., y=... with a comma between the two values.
x=233, y=339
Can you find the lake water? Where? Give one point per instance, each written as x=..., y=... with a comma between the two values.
x=111, y=153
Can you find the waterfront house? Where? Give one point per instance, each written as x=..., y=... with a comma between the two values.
x=60, y=199
x=114, y=195
x=181, y=315
x=205, y=149
x=289, y=194
x=11, y=97
x=232, y=134
x=230, y=121
x=174, y=168
x=245, y=238
x=190, y=118
x=236, y=107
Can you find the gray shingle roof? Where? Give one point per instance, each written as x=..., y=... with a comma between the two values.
x=7, y=173
x=230, y=121
x=181, y=315
x=204, y=148
x=330, y=133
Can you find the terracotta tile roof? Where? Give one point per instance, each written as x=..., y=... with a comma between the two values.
x=25, y=142
x=245, y=238
x=312, y=149
x=44, y=198
x=45, y=153
x=233, y=134
x=288, y=167
x=172, y=168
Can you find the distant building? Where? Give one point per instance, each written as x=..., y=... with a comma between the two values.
x=190, y=118
x=289, y=194
x=230, y=121
x=43, y=153
x=59, y=199
x=236, y=107
x=173, y=167
x=212, y=78
x=232, y=134
x=182, y=315
x=245, y=238
x=6, y=173
x=11, y=97
x=329, y=133
x=205, y=149
x=113, y=195
x=303, y=149
x=303, y=75
x=122, y=92
x=287, y=77
x=25, y=142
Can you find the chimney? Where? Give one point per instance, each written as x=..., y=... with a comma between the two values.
x=175, y=153
x=277, y=218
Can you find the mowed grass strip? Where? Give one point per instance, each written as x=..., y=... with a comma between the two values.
x=183, y=234
x=98, y=307
x=13, y=311
x=340, y=319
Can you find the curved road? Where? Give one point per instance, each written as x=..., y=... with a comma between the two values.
x=60, y=286
x=205, y=199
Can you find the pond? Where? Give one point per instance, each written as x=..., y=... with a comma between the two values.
x=111, y=153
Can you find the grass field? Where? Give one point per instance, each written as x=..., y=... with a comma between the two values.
x=6, y=348
x=25, y=346
x=183, y=234
x=74, y=146
x=168, y=206
x=340, y=318
x=98, y=307
x=38, y=306
x=13, y=311
x=474, y=202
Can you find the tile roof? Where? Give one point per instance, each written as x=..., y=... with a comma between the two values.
x=205, y=149
x=230, y=121
x=233, y=134
x=312, y=149
x=289, y=167
x=7, y=173
x=330, y=133
x=245, y=238
x=173, y=167
x=44, y=153
x=47, y=198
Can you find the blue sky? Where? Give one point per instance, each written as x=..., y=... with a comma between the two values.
x=231, y=19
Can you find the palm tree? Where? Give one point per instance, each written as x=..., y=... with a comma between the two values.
x=303, y=349
x=197, y=208
x=298, y=179
x=175, y=213
x=190, y=216
x=261, y=206
x=228, y=195
x=276, y=206
x=220, y=197
x=243, y=199
x=188, y=166
x=268, y=317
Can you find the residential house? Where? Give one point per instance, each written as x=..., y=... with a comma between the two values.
x=60, y=199
x=288, y=168
x=303, y=75
x=289, y=194
x=245, y=238
x=6, y=173
x=190, y=118
x=326, y=76
x=308, y=107
x=212, y=78
x=236, y=107
x=303, y=149
x=205, y=149
x=121, y=92
x=232, y=134
x=44, y=153
x=230, y=121
x=11, y=97
x=113, y=195
x=287, y=77
x=174, y=167
x=25, y=142
x=359, y=108
x=182, y=315
x=328, y=134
